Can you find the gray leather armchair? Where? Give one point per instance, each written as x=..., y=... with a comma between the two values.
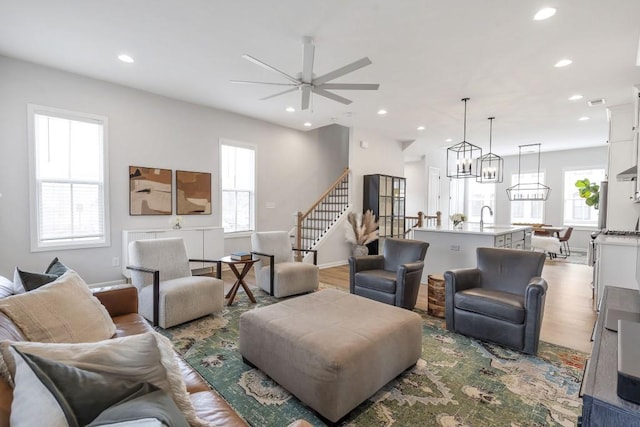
x=501, y=300
x=393, y=277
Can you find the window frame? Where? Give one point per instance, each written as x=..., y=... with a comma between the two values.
x=250, y=146
x=539, y=174
x=34, y=194
x=574, y=224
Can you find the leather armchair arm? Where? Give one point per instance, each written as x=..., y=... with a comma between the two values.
x=368, y=262
x=118, y=299
x=408, y=282
x=361, y=263
x=535, y=290
x=456, y=281
x=534, y=299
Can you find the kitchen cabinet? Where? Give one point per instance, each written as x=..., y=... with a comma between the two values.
x=615, y=264
x=450, y=249
x=622, y=155
x=201, y=243
x=385, y=196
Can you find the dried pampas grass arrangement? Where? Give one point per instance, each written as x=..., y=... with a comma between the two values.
x=361, y=229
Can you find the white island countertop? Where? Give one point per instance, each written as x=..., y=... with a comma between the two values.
x=474, y=228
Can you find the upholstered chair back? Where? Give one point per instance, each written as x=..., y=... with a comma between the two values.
x=508, y=270
x=275, y=243
x=402, y=251
x=167, y=255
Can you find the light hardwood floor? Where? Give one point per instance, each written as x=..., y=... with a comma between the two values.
x=568, y=317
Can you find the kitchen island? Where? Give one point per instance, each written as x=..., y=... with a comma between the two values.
x=450, y=248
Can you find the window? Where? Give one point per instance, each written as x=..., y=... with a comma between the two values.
x=238, y=176
x=68, y=176
x=576, y=211
x=479, y=196
x=456, y=196
x=530, y=212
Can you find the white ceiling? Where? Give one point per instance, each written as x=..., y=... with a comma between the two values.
x=426, y=55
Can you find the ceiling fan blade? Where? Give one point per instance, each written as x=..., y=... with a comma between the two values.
x=278, y=94
x=330, y=95
x=350, y=86
x=307, y=60
x=342, y=71
x=269, y=67
x=306, y=95
x=248, y=82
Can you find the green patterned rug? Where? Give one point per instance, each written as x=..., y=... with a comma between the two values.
x=458, y=381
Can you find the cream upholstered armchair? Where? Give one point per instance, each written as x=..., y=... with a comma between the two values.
x=168, y=293
x=277, y=273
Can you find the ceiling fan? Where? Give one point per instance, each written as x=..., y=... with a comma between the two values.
x=308, y=83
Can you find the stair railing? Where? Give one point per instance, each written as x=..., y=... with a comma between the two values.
x=317, y=220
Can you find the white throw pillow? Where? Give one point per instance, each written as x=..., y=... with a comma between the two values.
x=6, y=287
x=64, y=310
x=147, y=357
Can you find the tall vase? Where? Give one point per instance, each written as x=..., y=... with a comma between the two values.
x=360, y=250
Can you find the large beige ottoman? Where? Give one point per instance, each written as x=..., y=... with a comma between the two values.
x=331, y=349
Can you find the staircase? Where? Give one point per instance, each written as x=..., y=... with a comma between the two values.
x=316, y=222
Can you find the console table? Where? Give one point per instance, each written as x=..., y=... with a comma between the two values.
x=601, y=405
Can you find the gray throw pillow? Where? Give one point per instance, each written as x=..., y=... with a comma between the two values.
x=88, y=397
x=30, y=281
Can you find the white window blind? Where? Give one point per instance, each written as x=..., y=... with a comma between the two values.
x=68, y=179
x=237, y=167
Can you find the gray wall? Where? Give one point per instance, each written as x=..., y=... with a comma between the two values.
x=294, y=167
x=553, y=163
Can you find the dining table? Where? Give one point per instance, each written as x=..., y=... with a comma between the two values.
x=548, y=230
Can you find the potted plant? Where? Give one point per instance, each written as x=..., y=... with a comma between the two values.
x=361, y=230
x=589, y=191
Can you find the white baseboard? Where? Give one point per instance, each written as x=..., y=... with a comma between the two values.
x=333, y=264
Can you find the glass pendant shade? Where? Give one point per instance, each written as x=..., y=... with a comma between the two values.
x=528, y=191
x=490, y=167
x=461, y=157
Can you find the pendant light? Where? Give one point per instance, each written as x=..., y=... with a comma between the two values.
x=460, y=157
x=529, y=191
x=490, y=166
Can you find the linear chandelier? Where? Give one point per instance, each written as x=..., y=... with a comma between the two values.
x=460, y=157
x=528, y=191
x=490, y=166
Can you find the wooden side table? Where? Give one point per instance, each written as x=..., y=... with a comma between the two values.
x=240, y=275
x=436, y=292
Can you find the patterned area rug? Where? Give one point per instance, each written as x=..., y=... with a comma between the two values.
x=458, y=381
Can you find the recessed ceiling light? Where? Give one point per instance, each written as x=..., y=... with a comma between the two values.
x=382, y=112
x=125, y=58
x=575, y=97
x=448, y=140
x=563, y=63
x=583, y=118
x=420, y=127
x=544, y=13
x=290, y=109
x=307, y=124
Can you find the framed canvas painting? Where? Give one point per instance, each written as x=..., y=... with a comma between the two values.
x=193, y=193
x=149, y=191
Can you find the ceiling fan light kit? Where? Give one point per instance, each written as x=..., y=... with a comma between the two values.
x=307, y=83
x=461, y=156
x=490, y=165
x=537, y=191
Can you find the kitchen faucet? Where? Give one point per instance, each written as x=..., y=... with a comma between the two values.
x=482, y=215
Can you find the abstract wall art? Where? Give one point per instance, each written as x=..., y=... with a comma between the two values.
x=193, y=193
x=149, y=191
